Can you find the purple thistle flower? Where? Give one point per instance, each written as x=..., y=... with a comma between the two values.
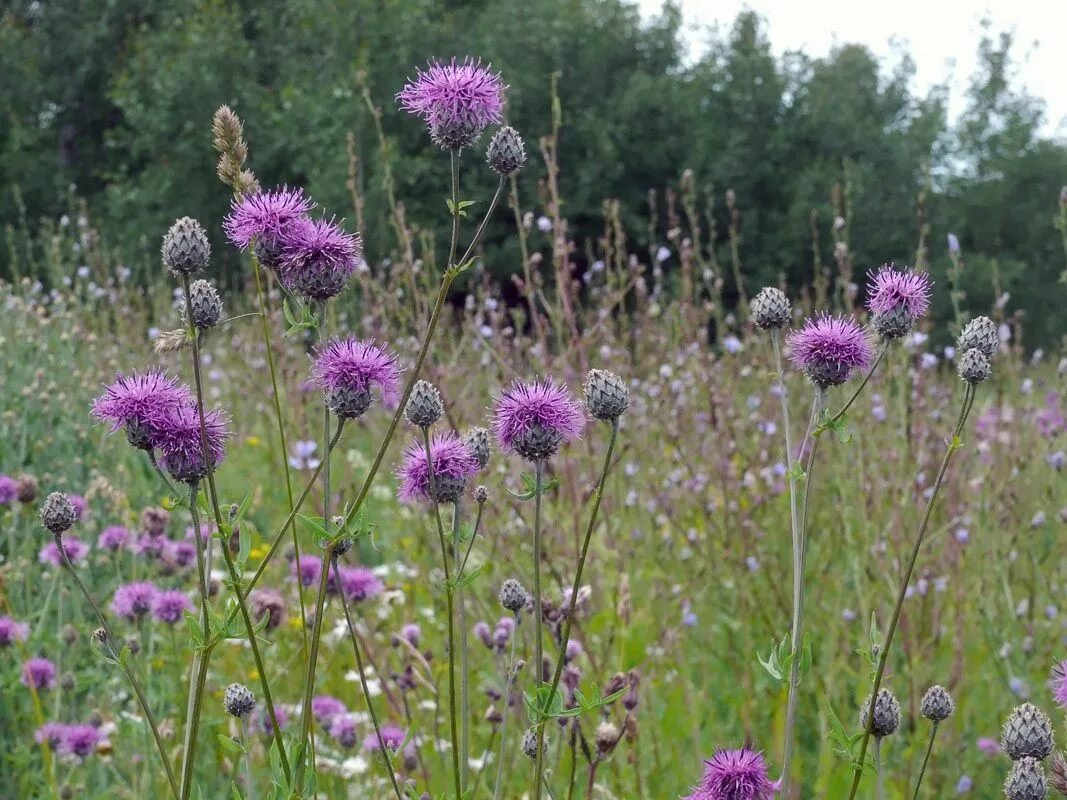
x=74, y=547
x=113, y=537
x=261, y=721
x=134, y=600
x=324, y=707
x=170, y=606
x=138, y=402
x=457, y=100
x=343, y=729
x=534, y=419
x=264, y=218
x=177, y=434
x=51, y=734
x=318, y=258
x=80, y=505
x=270, y=603
x=178, y=555
x=40, y=673
x=347, y=370
x=79, y=741
x=412, y=634
x=150, y=545
x=1058, y=684
x=453, y=465
x=360, y=583
x=735, y=775
x=9, y=490
x=988, y=746
x=829, y=348
x=897, y=298
x=11, y=631
x=392, y=736
x=309, y=572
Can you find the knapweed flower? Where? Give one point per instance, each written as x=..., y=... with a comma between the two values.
x=79, y=741
x=453, y=465
x=347, y=370
x=392, y=736
x=261, y=220
x=114, y=537
x=734, y=775
x=239, y=701
x=318, y=258
x=534, y=419
x=344, y=729
x=74, y=547
x=138, y=402
x=477, y=441
x=8, y=490
x=457, y=100
x=828, y=348
x=897, y=298
x=360, y=583
x=425, y=405
x=134, y=600
x=51, y=734
x=506, y=153
x=269, y=603
x=1058, y=683
x=40, y=673
x=169, y=606
x=980, y=333
x=937, y=705
x=1026, y=781
x=262, y=723
x=324, y=707
x=80, y=504
x=309, y=570
x=11, y=631
x=886, y=714
x=177, y=434
x=771, y=309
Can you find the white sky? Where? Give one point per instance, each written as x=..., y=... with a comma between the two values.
x=941, y=37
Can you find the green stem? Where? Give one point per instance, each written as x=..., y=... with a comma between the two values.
x=464, y=665
x=507, y=707
x=539, y=658
x=306, y=716
x=247, y=758
x=926, y=760
x=363, y=684
x=879, y=778
x=954, y=444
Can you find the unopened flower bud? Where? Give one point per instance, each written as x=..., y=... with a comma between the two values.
x=481, y=494
x=980, y=332
x=886, y=713
x=205, y=303
x=512, y=595
x=529, y=743
x=937, y=705
x=771, y=308
x=424, y=406
x=1026, y=781
x=606, y=737
x=477, y=442
x=506, y=153
x=185, y=247
x=974, y=366
x=238, y=700
x=57, y=513
x=1027, y=733
x=606, y=395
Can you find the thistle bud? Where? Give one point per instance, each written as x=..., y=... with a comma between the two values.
x=937, y=705
x=455, y=133
x=506, y=153
x=185, y=247
x=26, y=489
x=771, y=309
x=529, y=743
x=606, y=395
x=481, y=494
x=205, y=303
x=606, y=737
x=538, y=443
x=1026, y=781
x=238, y=700
x=57, y=513
x=1027, y=733
x=512, y=595
x=348, y=402
x=974, y=366
x=424, y=406
x=980, y=332
x=477, y=441
x=886, y=714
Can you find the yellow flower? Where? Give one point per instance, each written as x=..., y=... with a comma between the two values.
x=258, y=552
x=252, y=441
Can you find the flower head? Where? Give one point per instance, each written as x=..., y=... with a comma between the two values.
x=114, y=537
x=457, y=100
x=79, y=741
x=1058, y=684
x=239, y=701
x=325, y=707
x=897, y=298
x=534, y=419
x=8, y=490
x=177, y=434
x=264, y=218
x=348, y=369
x=11, y=631
x=138, y=402
x=269, y=603
x=360, y=583
x=40, y=673
x=343, y=728
x=51, y=733
x=74, y=547
x=453, y=464
x=392, y=736
x=169, y=606
x=735, y=775
x=318, y=258
x=309, y=570
x=134, y=600
x=829, y=348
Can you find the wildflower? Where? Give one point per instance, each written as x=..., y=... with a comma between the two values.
x=452, y=464
x=318, y=258
x=953, y=243
x=606, y=395
x=269, y=603
x=734, y=775
x=534, y=419
x=1058, y=684
x=412, y=634
x=169, y=606
x=39, y=673
x=506, y=153
x=75, y=549
x=206, y=304
x=360, y=583
x=343, y=729
x=1026, y=781
x=392, y=737
x=886, y=714
x=1027, y=733
x=513, y=595
x=238, y=700
x=480, y=494
x=177, y=434
x=424, y=406
x=57, y=513
x=348, y=369
x=771, y=309
x=303, y=456
x=1058, y=773
x=113, y=537
x=606, y=737
x=324, y=707
x=937, y=705
x=896, y=299
x=11, y=631
x=980, y=333
x=51, y=733
x=457, y=100
x=134, y=600
x=309, y=571
x=8, y=490
x=973, y=366
x=138, y=402
x=829, y=348
x=477, y=442
x=185, y=247
x=79, y=741
x=528, y=745
x=261, y=220
x=155, y=520
x=26, y=489
x=81, y=505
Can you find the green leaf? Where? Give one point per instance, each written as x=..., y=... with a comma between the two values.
x=316, y=524
x=468, y=578
x=529, y=485
x=231, y=745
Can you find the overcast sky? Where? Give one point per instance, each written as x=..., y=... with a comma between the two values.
x=941, y=36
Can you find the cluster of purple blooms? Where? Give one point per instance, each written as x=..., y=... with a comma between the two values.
x=78, y=741
x=358, y=583
x=134, y=601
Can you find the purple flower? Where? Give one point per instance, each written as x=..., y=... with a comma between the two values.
x=457, y=100
x=1058, y=684
x=265, y=217
x=269, y=603
x=40, y=673
x=360, y=583
x=74, y=547
x=318, y=258
x=534, y=419
x=79, y=741
x=178, y=555
x=139, y=402
x=152, y=546
x=953, y=243
x=8, y=490
x=894, y=292
x=11, y=631
x=261, y=721
x=343, y=729
x=113, y=537
x=392, y=736
x=964, y=784
x=735, y=775
x=80, y=505
x=134, y=600
x=325, y=707
x=347, y=370
x=309, y=572
x=177, y=434
x=829, y=348
x=51, y=733
x=453, y=465
x=990, y=747
x=170, y=606
x=411, y=633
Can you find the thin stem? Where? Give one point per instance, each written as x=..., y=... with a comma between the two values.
x=363, y=684
x=306, y=716
x=926, y=760
x=953, y=445
x=539, y=659
x=142, y=701
x=504, y=721
x=464, y=665
x=456, y=771
x=866, y=378
x=247, y=758
x=454, y=161
x=879, y=778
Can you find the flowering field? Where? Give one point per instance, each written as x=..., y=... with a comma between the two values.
x=333, y=534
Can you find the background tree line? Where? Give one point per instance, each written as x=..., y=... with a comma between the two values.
x=112, y=101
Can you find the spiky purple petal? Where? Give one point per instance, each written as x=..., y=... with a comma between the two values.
x=452, y=462
x=357, y=366
x=892, y=288
x=523, y=405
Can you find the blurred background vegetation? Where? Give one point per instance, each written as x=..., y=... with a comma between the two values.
x=111, y=102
